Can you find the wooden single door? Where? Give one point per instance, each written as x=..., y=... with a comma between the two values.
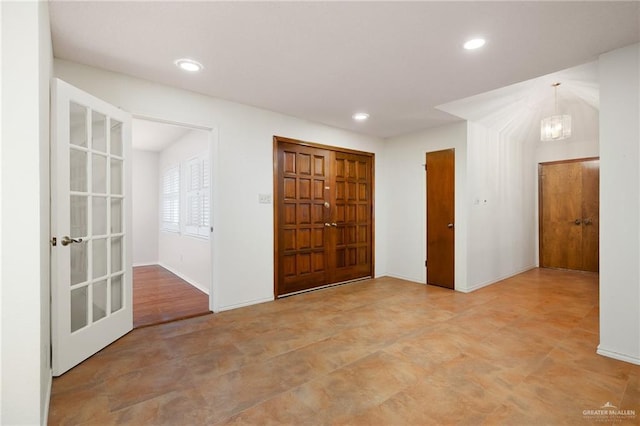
x=323, y=216
x=440, y=218
x=569, y=214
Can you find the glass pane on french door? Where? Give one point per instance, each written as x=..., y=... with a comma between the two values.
x=96, y=203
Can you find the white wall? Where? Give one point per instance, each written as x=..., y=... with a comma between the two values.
x=405, y=185
x=186, y=256
x=502, y=227
x=145, y=207
x=243, y=229
x=620, y=204
x=26, y=70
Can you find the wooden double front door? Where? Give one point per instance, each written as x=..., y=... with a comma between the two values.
x=323, y=214
x=569, y=214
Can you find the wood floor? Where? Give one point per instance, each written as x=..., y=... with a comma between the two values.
x=160, y=296
x=376, y=352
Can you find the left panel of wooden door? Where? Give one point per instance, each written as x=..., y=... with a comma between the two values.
x=301, y=217
x=561, y=215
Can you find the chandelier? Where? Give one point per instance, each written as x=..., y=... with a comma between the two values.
x=557, y=126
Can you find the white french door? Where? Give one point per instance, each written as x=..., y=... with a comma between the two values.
x=91, y=225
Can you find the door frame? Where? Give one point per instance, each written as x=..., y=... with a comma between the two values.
x=540, y=202
x=212, y=136
x=276, y=244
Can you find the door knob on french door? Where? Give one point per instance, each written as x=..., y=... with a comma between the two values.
x=450, y=225
x=587, y=221
x=577, y=222
x=66, y=240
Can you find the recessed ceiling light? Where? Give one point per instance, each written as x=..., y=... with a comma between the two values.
x=474, y=43
x=360, y=116
x=188, y=65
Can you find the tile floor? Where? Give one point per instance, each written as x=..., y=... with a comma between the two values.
x=377, y=352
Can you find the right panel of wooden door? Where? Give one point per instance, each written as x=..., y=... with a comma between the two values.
x=440, y=218
x=569, y=214
x=352, y=210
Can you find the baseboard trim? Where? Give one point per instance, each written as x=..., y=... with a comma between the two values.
x=47, y=401
x=493, y=281
x=135, y=265
x=616, y=355
x=243, y=304
x=197, y=285
x=401, y=277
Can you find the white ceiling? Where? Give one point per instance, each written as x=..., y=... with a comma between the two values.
x=154, y=136
x=323, y=61
x=516, y=110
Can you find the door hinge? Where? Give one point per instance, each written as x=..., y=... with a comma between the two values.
x=54, y=241
x=425, y=263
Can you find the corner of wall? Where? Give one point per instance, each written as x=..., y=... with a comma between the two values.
x=46, y=72
x=619, y=73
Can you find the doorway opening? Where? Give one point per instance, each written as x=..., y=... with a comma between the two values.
x=171, y=179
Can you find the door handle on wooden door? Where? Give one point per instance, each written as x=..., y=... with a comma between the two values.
x=587, y=221
x=577, y=221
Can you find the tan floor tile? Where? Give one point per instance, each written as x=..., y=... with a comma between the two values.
x=358, y=386
x=146, y=383
x=174, y=408
x=283, y=409
x=378, y=352
x=80, y=405
x=425, y=403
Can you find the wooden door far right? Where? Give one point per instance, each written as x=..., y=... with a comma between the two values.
x=569, y=214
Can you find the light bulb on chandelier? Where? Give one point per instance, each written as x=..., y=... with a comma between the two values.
x=557, y=126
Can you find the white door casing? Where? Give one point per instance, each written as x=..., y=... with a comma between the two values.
x=91, y=264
